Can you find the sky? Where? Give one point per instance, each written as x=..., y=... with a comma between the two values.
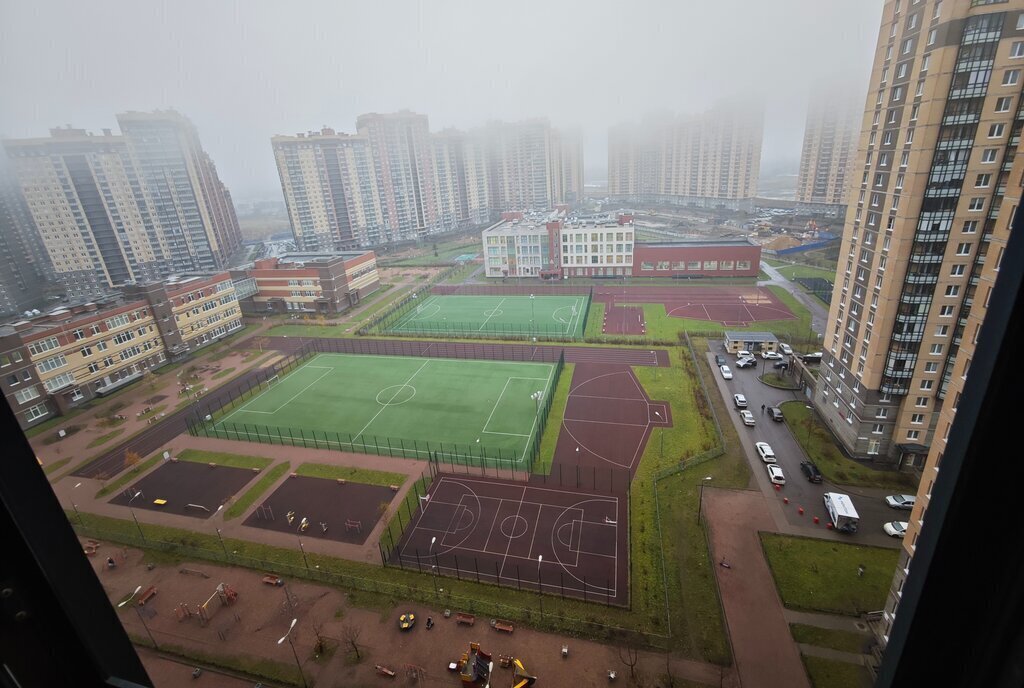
x=244, y=71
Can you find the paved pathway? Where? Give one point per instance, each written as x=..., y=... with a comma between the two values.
x=840, y=623
x=819, y=311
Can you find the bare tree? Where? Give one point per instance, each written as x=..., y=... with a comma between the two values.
x=630, y=659
x=131, y=458
x=350, y=634
x=318, y=632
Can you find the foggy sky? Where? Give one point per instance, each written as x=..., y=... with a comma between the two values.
x=243, y=71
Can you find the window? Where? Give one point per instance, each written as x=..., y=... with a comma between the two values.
x=996, y=131
x=52, y=363
x=942, y=331
x=908, y=45
x=917, y=418
x=982, y=181
x=36, y=412
x=876, y=429
x=901, y=71
x=1011, y=77
x=897, y=93
x=932, y=35
x=882, y=412
x=78, y=334
x=927, y=384
x=963, y=249
x=913, y=434
x=912, y=21
x=887, y=138
x=1003, y=103
x=946, y=312
x=27, y=394
x=43, y=345
x=904, y=159
x=62, y=380
x=914, y=112
x=1017, y=49
x=873, y=447
x=953, y=290
x=921, y=402
x=970, y=227
x=976, y=204
x=1020, y=22
x=13, y=380
x=926, y=62
x=936, y=350
x=989, y=154
x=957, y=270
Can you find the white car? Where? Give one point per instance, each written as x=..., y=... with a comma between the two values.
x=905, y=502
x=786, y=349
x=744, y=354
x=739, y=400
x=775, y=474
x=726, y=373
x=771, y=355
x=765, y=451
x=896, y=529
x=747, y=416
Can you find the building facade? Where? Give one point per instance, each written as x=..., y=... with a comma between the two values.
x=941, y=132
x=709, y=160
x=111, y=210
x=61, y=359
x=968, y=38
x=556, y=250
x=310, y=282
x=831, y=133
x=24, y=266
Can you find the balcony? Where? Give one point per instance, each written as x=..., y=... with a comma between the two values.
x=894, y=387
x=904, y=337
x=912, y=299
x=926, y=258
x=920, y=278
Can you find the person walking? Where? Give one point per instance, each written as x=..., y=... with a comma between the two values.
x=762, y=409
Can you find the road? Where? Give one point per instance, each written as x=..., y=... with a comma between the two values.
x=869, y=502
x=819, y=311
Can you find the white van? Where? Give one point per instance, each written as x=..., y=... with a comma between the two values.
x=841, y=512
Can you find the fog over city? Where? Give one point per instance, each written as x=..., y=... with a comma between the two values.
x=243, y=71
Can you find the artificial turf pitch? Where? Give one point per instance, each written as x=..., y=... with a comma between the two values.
x=476, y=411
x=451, y=314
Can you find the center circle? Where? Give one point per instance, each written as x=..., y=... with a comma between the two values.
x=395, y=395
x=493, y=312
x=513, y=526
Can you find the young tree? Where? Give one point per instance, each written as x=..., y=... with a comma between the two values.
x=350, y=634
x=131, y=458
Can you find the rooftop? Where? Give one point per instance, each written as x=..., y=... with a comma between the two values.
x=697, y=242
x=750, y=336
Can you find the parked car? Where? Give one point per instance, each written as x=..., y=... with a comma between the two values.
x=786, y=349
x=811, y=472
x=740, y=401
x=771, y=355
x=748, y=417
x=812, y=358
x=765, y=451
x=896, y=529
x=780, y=365
x=719, y=360
x=726, y=373
x=743, y=353
x=775, y=475
x=775, y=413
x=905, y=502
x=746, y=362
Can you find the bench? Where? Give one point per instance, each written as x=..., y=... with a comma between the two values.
x=146, y=595
x=467, y=619
x=273, y=580
x=504, y=626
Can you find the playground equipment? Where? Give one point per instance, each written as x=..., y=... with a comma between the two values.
x=384, y=671
x=475, y=666
x=520, y=677
x=227, y=596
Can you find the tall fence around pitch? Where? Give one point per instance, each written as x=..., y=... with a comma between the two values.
x=396, y=320
x=211, y=420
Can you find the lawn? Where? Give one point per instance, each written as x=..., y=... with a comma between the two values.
x=791, y=272
x=327, y=331
x=819, y=444
x=457, y=315
x=224, y=459
x=473, y=410
x=103, y=439
x=542, y=466
x=822, y=575
x=828, y=673
x=844, y=641
x=446, y=253
x=242, y=504
x=354, y=475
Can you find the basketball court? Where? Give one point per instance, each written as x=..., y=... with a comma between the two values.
x=563, y=541
x=732, y=306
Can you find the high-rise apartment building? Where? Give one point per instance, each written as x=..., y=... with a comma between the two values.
x=109, y=210
x=460, y=179
x=830, y=144
x=938, y=181
x=928, y=204
x=525, y=165
x=708, y=160
x=23, y=262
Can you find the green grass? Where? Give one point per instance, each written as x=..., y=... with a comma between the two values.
x=792, y=272
x=103, y=439
x=461, y=274
x=154, y=411
x=542, y=466
x=240, y=505
x=400, y=406
x=55, y=466
x=259, y=667
x=446, y=253
x=828, y=673
x=844, y=641
x=224, y=459
x=327, y=331
x=222, y=373
x=819, y=444
x=595, y=321
x=352, y=475
x=821, y=575
x=129, y=475
x=456, y=315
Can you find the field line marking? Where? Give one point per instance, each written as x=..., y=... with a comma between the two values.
x=511, y=434
x=509, y=545
x=493, y=311
x=547, y=390
x=495, y=407
x=242, y=407
x=400, y=387
x=301, y=391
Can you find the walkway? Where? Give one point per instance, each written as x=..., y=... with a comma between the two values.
x=818, y=310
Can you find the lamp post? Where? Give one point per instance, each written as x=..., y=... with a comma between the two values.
x=137, y=524
x=540, y=585
x=433, y=567
x=532, y=316
x=288, y=637
x=700, y=501
x=662, y=455
x=807, y=441
x=302, y=549
x=130, y=597
x=219, y=537
x=537, y=396
x=148, y=632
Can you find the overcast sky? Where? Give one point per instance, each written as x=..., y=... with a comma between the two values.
x=245, y=70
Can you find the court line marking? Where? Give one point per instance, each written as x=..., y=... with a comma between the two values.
x=547, y=389
x=359, y=434
x=271, y=413
x=493, y=311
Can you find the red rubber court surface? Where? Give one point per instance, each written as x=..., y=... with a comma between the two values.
x=730, y=306
x=188, y=488
x=568, y=542
x=332, y=511
x=608, y=419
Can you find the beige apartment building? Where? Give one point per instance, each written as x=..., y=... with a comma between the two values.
x=928, y=198
x=831, y=134
x=966, y=63
x=710, y=160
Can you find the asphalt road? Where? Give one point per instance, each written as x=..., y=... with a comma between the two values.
x=869, y=502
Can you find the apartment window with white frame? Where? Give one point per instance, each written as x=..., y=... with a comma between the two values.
x=888, y=52
x=905, y=159
x=932, y=35
x=910, y=137
x=942, y=331
x=912, y=21
x=927, y=385
x=963, y=248
x=935, y=350
x=897, y=93
x=901, y=71
x=957, y=270
x=921, y=402
x=989, y=155
x=882, y=412
x=970, y=227
x=920, y=88
x=908, y=45
x=1011, y=77
x=899, y=183
x=938, y=10
x=917, y=419
x=952, y=290
x=925, y=62
x=946, y=312
x=1017, y=49
x=914, y=112
x=892, y=116
x=876, y=429
x=887, y=138
x=995, y=131
x=1003, y=103
x=913, y=434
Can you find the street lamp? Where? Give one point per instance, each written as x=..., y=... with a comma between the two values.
x=288, y=636
x=148, y=632
x=433, y=567
x=130, y=597
x=537, y=396
x=810, y=416
x=540, y=585
x=662, y=455
x=532, y=316
x=700, y=502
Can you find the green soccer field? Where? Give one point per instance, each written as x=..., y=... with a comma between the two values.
x=545, y=316
x=471, y=410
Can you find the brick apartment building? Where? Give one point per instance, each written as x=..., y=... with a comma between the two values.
x=323, y=283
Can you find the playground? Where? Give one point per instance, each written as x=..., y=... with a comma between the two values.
x=322, y=508
x=185, y=488
x=731, y=306
x=465, y=316
x=563, y=541
x=472, y=411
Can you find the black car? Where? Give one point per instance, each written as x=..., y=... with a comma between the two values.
x=780, y=365
x=811, y=471
x=720, y=360
x=775, y=413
